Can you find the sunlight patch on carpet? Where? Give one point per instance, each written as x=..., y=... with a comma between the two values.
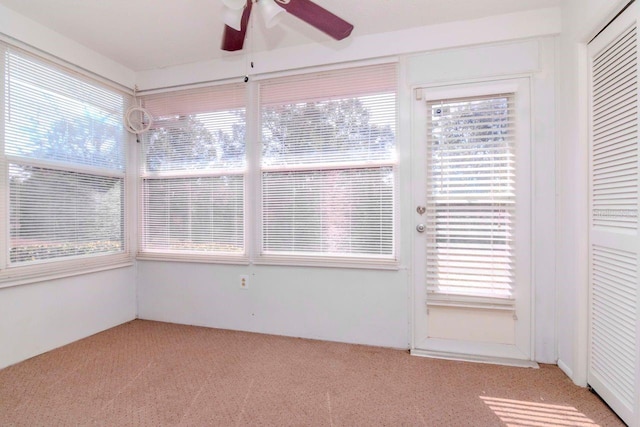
x=519, y=413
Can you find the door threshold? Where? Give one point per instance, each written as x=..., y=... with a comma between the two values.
x=475, y=358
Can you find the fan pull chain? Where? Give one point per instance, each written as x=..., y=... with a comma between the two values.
x=137, y=102
x=251, y=42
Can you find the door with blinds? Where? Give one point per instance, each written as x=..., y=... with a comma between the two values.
x=472, y=248
x=614, y=243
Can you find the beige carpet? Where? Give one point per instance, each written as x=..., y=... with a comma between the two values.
x=156, y=374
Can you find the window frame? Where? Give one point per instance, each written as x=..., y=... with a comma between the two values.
x=373, y=262
x=253, y=188
x=521, y=88
x=54, y=268
x=241, y=258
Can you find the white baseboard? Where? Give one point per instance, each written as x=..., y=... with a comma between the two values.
x=565, y=368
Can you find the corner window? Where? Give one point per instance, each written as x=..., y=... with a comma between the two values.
x=64, y=154
x=313, y=183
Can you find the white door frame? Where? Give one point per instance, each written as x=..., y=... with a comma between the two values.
x=521, y=353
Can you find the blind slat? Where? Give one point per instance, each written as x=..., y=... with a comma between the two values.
x=471, y=197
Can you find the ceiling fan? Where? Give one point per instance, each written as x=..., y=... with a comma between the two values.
x=237, y=13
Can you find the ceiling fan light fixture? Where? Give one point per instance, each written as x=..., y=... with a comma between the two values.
x=271, y=12
x=235, y=4
x=233, y=18
x=237, y=20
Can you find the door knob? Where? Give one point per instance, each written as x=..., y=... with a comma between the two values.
x=420, y=228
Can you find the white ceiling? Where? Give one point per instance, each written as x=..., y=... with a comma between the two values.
x=149, y=34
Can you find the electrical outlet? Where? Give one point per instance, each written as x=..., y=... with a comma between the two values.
x=244, y=281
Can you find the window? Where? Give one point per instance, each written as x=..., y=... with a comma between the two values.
x=324, y=174
x=193, y=175
x=328, y=166
x=472, y=197
x=64, y=153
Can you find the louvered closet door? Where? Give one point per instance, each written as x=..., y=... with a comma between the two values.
x=614, y=243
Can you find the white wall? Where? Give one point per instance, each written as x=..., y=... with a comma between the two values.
x=38, y=317
x=492, y=29
x=370, y=306
x=357, y=306
x=15, y=27
x=581, y=20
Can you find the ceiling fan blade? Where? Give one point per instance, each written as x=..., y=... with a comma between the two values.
x=232, y=39
x=318, y=17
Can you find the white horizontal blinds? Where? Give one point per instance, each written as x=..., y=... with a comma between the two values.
x=56, y=115
x=195, y=130
x=328, y=163
x=471, y=197
x=193, y=166
x=57, y=214
x=615, y=135
x=64, y=145
x=330, y=211
x=203, y=214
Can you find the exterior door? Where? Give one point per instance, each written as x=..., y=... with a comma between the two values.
x=472, y=240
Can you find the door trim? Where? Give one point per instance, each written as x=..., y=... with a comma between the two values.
x=522, y=352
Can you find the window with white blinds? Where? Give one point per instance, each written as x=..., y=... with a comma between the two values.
x=65, y=159
x=328, y=165
x=471, y=197
x=193, y=175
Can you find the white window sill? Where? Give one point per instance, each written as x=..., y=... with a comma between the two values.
x=285, y=261
x=199, y=258
x=25, y=275
x=329, y=262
